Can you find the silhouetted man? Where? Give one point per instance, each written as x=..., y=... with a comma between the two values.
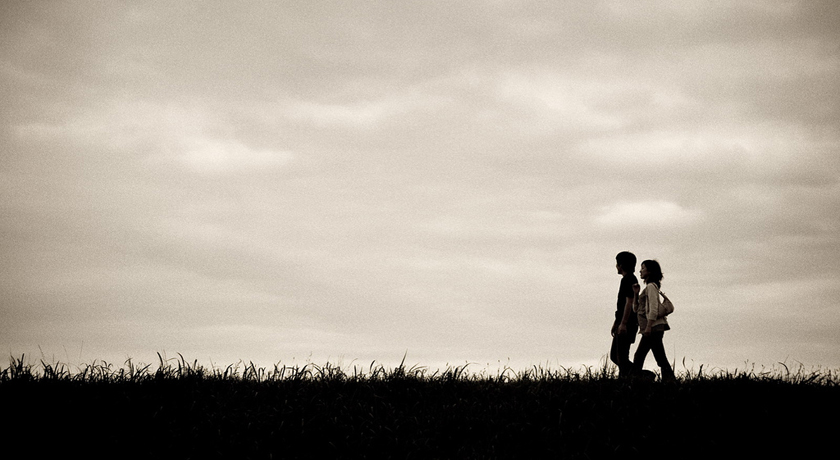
x=626, y=324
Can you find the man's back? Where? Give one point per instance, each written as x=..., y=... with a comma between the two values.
x=625, y=291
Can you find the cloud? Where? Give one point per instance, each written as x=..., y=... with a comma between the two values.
x=647, y=214
x=219, y=156
x=393, y=176
x=550, y=101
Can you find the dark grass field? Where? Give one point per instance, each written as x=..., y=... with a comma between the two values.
x=183, y=410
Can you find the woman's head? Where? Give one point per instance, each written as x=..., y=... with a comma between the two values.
x=651, y=272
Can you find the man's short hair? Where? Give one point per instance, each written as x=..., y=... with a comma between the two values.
x=627, y=261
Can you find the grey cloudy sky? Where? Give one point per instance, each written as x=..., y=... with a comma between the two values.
x=353, y=181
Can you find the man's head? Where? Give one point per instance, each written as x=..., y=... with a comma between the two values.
x=625, y=262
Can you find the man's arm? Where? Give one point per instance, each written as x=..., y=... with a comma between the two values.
x=628, y=310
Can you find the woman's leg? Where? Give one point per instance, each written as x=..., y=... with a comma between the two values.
x=658, y=349
x=641, y=353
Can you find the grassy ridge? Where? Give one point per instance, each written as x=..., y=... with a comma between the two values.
x=183, y=410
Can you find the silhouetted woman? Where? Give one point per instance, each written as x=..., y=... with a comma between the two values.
x=652, y=324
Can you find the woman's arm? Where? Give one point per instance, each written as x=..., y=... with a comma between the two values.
x=651, y=306
x=652, y=310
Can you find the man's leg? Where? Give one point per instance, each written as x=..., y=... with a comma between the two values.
x=621, y=348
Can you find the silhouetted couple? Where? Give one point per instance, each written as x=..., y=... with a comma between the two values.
x=638, y=310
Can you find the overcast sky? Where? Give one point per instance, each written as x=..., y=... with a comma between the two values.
x=350, y=181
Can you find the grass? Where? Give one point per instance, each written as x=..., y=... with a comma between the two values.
x=180, y=409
